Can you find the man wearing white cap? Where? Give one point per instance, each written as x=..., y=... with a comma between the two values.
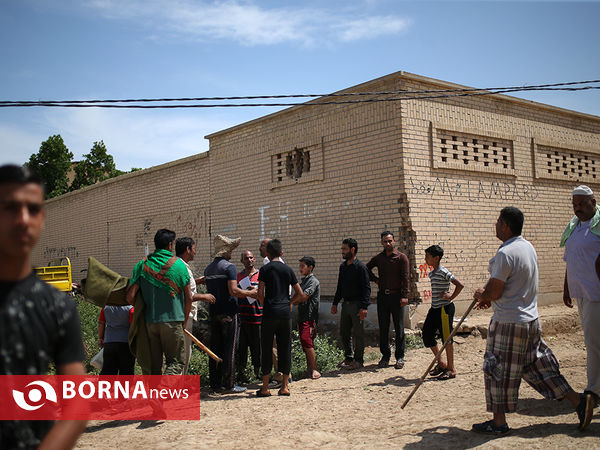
x=221, y=281
x=581, y=240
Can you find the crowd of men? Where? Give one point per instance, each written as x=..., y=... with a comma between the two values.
x=515, y=349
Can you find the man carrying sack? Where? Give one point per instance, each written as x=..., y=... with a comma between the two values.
x=164, y=282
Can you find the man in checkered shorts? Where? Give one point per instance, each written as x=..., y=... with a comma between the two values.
x=515, y=349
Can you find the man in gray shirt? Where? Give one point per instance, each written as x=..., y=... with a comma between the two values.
x=515, y=349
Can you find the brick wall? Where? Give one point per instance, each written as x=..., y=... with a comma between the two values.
x=115, y=220
x=454, y=197
x=432, y=171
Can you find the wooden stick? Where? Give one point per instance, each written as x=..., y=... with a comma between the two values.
x=203, y=347
x=437, y=356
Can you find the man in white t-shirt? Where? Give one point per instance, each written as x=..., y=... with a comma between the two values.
x=581, y=240
x=185, y=248
x=515, y=349
x=263, y=252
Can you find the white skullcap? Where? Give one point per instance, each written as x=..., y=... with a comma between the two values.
x=582, y=190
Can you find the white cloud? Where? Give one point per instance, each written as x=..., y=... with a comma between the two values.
x=250, y=24
x=372, y=27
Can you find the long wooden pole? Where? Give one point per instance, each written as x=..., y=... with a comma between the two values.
x=203, y=347
x=439, y=353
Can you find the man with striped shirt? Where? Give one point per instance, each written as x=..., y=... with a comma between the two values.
x=251, y=318
x=441, y=314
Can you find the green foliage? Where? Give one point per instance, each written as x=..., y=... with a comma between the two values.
x=199, y=365
x=414, y=341
x=98, y=165
x=52, y=163
x=328, y=352
x=88, y=316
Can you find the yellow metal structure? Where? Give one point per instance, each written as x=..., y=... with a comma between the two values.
x=57, y=273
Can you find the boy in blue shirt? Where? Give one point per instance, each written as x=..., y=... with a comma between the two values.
x=441, y=314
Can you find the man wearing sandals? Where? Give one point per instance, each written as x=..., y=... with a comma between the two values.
x=440, y=317
x=581, y=240
x=515, y=349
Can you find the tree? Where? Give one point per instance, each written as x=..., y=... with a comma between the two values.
x=52, y=163
x=96, y=166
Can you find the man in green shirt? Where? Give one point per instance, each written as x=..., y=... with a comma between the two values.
x=164, y=282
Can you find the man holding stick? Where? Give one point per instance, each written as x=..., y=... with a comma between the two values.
x=515, y=348
x=185, y=249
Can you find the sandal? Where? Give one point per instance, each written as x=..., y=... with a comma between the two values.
x=260, y=393
x=285, y=394
x=446, y=375
x=437, y=370
x=490, y=427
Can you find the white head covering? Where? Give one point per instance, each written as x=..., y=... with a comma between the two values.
x=582, y=190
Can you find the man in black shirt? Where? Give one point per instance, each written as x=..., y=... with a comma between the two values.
x=38, y=324
x=274, y=281
x=353, y=286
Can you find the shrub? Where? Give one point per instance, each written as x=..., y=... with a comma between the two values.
x=88, y=316
x=327, y=350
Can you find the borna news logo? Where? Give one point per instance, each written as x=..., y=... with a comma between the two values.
x=35, y=396
x=93, y=397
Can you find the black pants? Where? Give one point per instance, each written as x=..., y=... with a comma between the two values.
x=118, y=359
x=439, y=321
x=249, y=338
x=223, y=341
x=389, y=305
x=282, y=330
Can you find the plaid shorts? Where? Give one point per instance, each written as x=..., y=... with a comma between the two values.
x=515, y=351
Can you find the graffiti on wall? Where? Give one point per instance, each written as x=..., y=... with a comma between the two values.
x=193, y=223
x=54, y=252
x=274, y=219
x=424, y=270
x=474, y=191
x=143, y=237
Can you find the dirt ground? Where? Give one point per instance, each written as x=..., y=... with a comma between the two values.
x=362, y=409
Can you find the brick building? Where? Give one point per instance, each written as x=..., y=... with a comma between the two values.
x=434, y=170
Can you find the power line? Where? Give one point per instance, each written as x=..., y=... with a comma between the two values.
x=399, y=95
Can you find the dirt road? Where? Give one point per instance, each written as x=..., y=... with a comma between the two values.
x=362, y=409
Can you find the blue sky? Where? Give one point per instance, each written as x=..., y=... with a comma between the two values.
x=69, y=49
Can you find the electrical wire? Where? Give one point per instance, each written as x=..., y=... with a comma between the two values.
x=396, y=96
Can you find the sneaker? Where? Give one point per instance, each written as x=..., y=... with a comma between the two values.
x=236, y=390
x=383, y=362
x=490, y=427
x=585, y=410
x=399, y=364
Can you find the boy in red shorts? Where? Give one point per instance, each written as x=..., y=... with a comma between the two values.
x=308, y=313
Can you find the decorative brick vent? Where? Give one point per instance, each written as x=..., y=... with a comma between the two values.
x=472, y=152
x=297, y=166
x=564, y=164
